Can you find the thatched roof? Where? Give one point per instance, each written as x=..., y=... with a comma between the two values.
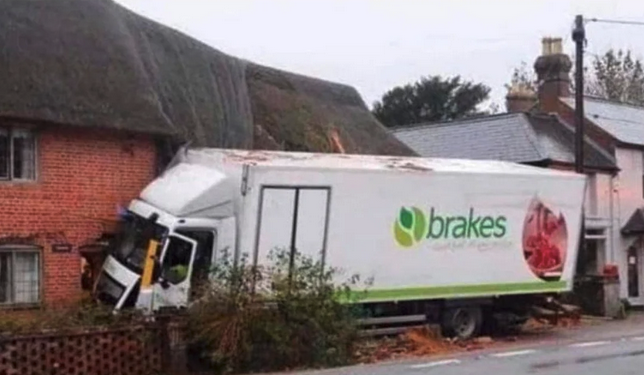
x=94, y=63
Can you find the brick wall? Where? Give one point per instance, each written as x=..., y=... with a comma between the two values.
x=82, y=175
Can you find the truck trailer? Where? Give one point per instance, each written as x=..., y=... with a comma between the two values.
x=463, y=242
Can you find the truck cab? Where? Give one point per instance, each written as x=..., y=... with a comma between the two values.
x=169, y=244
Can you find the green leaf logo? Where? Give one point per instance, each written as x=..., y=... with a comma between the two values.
x=410, y=227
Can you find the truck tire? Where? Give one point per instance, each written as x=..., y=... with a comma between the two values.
x=462, y=322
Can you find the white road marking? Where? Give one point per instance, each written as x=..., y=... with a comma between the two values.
x=589, y=344
x=513, y=354
x=437, y=363
x=639, y=338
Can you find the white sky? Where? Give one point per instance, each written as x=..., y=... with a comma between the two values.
x=376, y=45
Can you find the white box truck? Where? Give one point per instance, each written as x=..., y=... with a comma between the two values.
x=457, y=240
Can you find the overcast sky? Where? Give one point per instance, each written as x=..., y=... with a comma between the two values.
x=375, y=45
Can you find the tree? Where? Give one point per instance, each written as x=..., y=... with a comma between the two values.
x=523, y=77
x=432, y=98
x=616, y=76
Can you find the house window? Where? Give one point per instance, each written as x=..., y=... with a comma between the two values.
x=19, y=275
x=17, y=154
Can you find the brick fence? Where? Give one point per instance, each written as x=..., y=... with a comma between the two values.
x=154, y=349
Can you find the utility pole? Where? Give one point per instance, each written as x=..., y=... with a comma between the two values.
x=579, y=36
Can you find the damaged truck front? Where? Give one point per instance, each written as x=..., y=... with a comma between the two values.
x=166, y=244
x=462, y=242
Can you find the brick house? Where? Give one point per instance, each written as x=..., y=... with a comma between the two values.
x=60, y=187
x=614, y=205
x=94, y=101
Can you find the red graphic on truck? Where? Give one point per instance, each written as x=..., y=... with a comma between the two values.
x=545, y=241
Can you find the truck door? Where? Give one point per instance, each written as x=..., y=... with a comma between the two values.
x=177, y=263
x=204, y=259
x=293, y=218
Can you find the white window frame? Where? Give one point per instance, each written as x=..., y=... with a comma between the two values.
x=10, y=132
x=13, y=250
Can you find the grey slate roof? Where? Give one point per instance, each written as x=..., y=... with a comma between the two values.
x=515, y=137
x=635, y=224
x=624, y=122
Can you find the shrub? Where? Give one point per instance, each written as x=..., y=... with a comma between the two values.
x=85, y=314
x=253, y=318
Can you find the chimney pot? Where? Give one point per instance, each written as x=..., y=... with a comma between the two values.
x=546, y=46
x=553, y=73
x=556, y=46
x=520, y=98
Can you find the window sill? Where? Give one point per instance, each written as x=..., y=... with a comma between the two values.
x=18, y=182
x=20, y=306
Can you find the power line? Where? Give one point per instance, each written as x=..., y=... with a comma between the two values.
x=619, y=22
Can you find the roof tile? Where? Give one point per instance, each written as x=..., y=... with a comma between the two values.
x=624, y=122
x=515, y=137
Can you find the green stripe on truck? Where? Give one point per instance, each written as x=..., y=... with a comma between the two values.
x=455, y=291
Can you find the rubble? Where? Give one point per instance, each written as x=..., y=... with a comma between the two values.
x=428, y=341
x=483, y=340
x=416, y=342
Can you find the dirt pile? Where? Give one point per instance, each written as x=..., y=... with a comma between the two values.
x=533, y=325
x=427, y=341
x=416, y=342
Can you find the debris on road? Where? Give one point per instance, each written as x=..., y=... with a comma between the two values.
x=427, y=340
x=424, y=341
x=483, y=340
x=416, y=342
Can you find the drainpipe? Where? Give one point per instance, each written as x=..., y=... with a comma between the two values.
x=611, y=215
x=623, y=271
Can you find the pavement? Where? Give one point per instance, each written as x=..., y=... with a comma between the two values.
x=609, y=347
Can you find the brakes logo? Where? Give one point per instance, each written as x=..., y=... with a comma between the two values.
x=410, y=226
x=413, y=225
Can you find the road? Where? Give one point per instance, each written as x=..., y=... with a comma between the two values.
x=615, y=348
x=623, y=356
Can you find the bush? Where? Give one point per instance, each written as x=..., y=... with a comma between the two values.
x=270, y=319
x=84, y=314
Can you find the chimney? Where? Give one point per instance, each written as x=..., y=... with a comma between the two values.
x=553, y=74
x=520, y=98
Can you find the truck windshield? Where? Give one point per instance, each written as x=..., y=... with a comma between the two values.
x=133, y=240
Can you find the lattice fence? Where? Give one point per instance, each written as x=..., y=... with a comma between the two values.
x=133, y=351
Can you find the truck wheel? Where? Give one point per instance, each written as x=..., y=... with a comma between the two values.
x=462, y=322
